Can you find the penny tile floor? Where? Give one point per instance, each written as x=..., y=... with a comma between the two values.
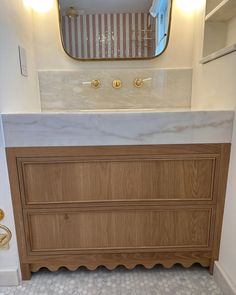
x=139, y=281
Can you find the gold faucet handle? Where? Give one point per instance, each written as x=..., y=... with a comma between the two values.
x=138, y=83
x=5, y=237
x=94, y=83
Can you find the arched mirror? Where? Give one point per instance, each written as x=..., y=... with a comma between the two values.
x=114, y=29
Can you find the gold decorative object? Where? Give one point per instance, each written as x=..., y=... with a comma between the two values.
x=138, y=83
x=5, y=237
x=96, y=84
x=2, y=214
x=117, y=84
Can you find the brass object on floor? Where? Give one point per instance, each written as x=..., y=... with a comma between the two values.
x=5, y=237
x=2, y=214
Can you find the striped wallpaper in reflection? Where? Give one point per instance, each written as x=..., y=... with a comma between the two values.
x=124, y=35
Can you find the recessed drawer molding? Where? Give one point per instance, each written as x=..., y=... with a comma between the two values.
x=107, y=179
x=116, y=230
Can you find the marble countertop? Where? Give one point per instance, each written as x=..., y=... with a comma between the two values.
x=135, y=127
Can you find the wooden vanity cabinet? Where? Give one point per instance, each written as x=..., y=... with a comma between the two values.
x=118, y=205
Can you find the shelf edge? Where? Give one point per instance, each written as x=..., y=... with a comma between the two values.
x=219, y=53
x=216, y=9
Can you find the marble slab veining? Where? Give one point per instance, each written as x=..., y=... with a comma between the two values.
x=120, y=128
x=65, y=91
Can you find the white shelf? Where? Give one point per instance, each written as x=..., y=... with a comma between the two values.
x=222, y=52
x=223, y=12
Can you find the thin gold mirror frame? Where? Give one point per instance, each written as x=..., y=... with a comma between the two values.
x=118, y=58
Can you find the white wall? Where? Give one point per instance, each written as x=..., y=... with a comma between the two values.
x=50, y=55
x=231, y=36
x=17, y=93
x=227, y=259
x=8, y=258
x=214, y=84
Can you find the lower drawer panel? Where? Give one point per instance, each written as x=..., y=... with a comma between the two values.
x=120, y=229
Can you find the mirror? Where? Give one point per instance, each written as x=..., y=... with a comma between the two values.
x=114, y=29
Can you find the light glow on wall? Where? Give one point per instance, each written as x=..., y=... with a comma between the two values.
x=41, y=6
x=189, y=6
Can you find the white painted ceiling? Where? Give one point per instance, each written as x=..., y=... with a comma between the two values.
x=106, y=6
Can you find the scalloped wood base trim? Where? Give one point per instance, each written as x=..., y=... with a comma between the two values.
x=111, y=261
x=53, y=268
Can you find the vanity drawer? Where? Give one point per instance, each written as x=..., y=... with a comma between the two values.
x=103, y=179
x=111, y=230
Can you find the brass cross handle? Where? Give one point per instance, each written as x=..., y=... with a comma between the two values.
x=5, y=237
x=139, y=82
x=94, y=83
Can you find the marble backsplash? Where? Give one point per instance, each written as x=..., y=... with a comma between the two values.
x=66, y=91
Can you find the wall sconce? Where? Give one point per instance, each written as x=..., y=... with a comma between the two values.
x=189, y=6
x=41, y=6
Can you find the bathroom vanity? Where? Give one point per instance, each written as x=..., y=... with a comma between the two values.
x=111, y=189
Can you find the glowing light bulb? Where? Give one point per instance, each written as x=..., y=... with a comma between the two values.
x=41, y=6
x=189, y=6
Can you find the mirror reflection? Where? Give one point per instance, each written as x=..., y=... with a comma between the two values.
x=114, y=29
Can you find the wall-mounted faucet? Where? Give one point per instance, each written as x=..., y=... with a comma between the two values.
x=117, y=83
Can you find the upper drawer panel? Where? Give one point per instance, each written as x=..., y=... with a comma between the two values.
x=64, y=180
